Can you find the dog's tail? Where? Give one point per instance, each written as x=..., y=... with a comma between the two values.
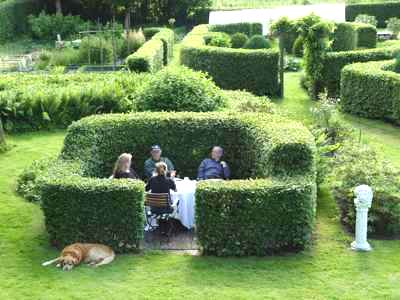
x=48, y=263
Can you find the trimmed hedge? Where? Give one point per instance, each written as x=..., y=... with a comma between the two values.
x=253, y=70
x=256, y=146
x=344, y=37
x=14, y=17
x=335, y=61
x=37, y=101
x=249, y=29
x=366, y=35
x=371, y=90
x=382, y=11
x=154, y=54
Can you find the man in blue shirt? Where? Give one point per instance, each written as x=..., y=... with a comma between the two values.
x=214, y=168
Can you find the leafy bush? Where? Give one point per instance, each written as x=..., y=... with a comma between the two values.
x=133, y=40
x=220, y=40
x=371, y=90
x=366, y=19
x=238, y=69
x=298, y=47
x=382, y=11
x=344, y=37
x=256, y=145
x=65, y=57
x=366, y=35
x=35, y=101
x=257, y=42
x=358, y=164
x=287, y=31
x=396, y=67
x=179, y=89
x=95, y=50
x=14, y=17
x=333, y=63
x=46, y=27
x=154, y=54
x=249, y=29
x=393, y=25
x=242, y=101
x=238, y=40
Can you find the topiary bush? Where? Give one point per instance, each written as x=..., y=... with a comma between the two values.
x=366, y=35
x=237, y=69
x=344, y=37
x=238, y=40
x=298, y=47
x=257, y=42
x=179, y=89
x=382, y=11
x=220, y=40
x=249, y=29
x=132, y=41
x=276, y=153
x=371, y=90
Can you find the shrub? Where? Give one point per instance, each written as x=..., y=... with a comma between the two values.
x=393, y=25
x=220, y=40
x=358, y=164
x=238, y=40
x=36, y=101
x=249, y=29
x=382, y=11
x=333, y=63
x=287, y=31
x=257, y=146
x=238, y=69
x=242, y=101
x=344, y=37
x=257, y=42
x=133, y=40
x=14, y=17
x=95, y=50
x=298, y=47
x=46, y=27
x=154, y=54
x=371, y=90
x=65, y=57
x=366, y=35
x=179, y=89
x=366, y=19
x=397, y=64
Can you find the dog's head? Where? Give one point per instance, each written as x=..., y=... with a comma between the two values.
x=67, y=262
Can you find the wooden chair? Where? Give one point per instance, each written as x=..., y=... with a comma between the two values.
x=158, y=207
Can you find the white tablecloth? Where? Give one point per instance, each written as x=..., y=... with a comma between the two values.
x=185, y=211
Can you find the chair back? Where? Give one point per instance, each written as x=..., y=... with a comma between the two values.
x=157, y=200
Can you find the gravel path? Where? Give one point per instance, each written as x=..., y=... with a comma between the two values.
x=334, y=12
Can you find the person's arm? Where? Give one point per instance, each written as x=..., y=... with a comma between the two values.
x=170, y=165
x=201, y=170
x=226, y=170
x=148, y=169
x=172, y=185
x=147, y=187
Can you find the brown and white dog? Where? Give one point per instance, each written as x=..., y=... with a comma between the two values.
x=92, y=254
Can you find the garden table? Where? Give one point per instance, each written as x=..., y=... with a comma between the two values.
x=184, y=198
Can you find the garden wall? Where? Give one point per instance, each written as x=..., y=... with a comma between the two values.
x=253, y=70
x=277, y=153
x=371, y=90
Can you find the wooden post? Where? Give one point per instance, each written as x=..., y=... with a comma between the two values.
x=281, y=66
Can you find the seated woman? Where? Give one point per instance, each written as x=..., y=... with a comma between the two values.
x=123, y=167
x=160, y=183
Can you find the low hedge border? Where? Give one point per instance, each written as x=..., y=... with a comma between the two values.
x=371, y=90
x=255, y=71
x=382, y=11
x=249, y=29
x=278, y=154
x=154, y=54
x=335, y=61
x=14, y=17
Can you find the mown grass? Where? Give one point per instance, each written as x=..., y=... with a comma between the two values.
x=328, y=270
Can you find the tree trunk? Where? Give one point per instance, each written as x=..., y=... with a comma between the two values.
x=127, y=19
x=281, y=66
x=58, y=7
x=2, y=136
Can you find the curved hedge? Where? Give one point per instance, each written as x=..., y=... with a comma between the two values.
x=256, y=146
x=253, y=70
x=335, y=61
x=154, y=54
x=371, y=90
x=382, y=11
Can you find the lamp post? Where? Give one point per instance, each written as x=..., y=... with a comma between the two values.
x=362, y=202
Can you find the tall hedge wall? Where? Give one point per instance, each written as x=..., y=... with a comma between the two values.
x=256, y=146
x=382, y=11
x=366, y=35
x=154, y=54
x=335, y=61
x=371, y=90
x=14, y=17
x=249, y=29
x=253, y=70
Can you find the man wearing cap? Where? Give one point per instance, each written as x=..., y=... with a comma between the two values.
x=150, y=164
x=214, y=168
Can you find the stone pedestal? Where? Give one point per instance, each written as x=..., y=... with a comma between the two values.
x=362, y=202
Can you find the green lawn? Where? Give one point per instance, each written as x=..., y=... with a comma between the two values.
x=328, y=270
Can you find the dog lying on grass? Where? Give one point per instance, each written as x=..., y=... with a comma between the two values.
x=92, y=254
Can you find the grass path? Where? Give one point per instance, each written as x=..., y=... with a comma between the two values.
x=328, y=270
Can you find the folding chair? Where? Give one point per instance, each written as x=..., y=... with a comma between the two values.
x=158, y=207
